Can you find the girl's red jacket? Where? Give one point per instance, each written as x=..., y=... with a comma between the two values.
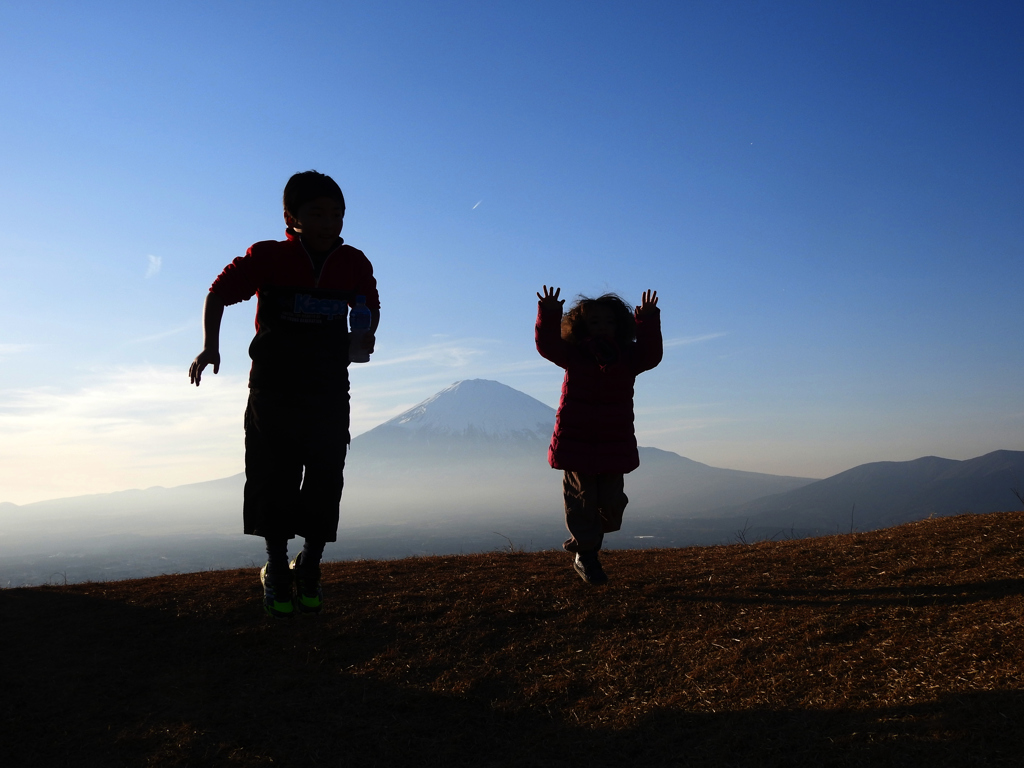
x=594, y=424
x=301, y=337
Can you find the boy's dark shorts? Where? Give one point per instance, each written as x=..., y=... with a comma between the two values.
x=284, y=435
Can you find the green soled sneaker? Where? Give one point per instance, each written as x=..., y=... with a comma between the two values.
x=309, y=597
x=277, y=593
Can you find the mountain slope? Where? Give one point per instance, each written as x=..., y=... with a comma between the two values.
x=667, y=484
x=889, y=493
x=208, y=507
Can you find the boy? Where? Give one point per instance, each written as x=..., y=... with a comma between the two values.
x=297, y=417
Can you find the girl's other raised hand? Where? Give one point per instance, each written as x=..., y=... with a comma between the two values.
x=649, y=303
x=550, y=300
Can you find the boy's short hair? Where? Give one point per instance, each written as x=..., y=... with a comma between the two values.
x=309, y=185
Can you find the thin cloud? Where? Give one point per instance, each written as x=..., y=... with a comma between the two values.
x=155, y=262
x=139, y=426
x=663, y=409
x=162, y=334
x=687, y=340
x=454, y=354
x=12, y=349
x=669, y=427
x=134, y=427
x=525, y=365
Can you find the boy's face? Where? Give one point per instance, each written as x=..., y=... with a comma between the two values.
x=600, y=321
x=319, y=222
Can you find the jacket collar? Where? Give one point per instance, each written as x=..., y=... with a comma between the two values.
x=604, y=351
x=295, y=237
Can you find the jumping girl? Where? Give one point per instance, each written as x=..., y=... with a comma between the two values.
x=602, y=345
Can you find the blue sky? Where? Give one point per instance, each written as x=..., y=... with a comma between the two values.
x=829, y=198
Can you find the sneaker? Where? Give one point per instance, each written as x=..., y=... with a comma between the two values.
x=309, y=597
x=589, y=568
x=277, y=593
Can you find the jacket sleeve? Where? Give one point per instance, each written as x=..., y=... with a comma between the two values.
x=548, y=335
x=240, y=279
x=367, y=282
x=649, y=348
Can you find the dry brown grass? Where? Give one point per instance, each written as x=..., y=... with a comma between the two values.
x=899, y=647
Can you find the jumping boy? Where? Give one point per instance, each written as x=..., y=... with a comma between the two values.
x=297, y=417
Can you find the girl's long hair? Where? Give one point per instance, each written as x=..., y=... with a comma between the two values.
x=574, y=323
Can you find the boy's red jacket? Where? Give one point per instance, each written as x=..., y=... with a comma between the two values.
x=594, y=424
x=301, y=321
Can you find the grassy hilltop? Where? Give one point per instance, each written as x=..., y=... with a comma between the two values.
x=899, y=647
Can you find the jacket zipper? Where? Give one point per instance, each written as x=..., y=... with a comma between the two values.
x=312, y=264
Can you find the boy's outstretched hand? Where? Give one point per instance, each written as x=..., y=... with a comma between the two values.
x=549, y=301
x=649, y=304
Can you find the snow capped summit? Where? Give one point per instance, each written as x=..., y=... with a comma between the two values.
x=479, y=407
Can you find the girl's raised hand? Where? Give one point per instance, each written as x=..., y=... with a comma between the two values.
x=649, y=303
x=550, y=299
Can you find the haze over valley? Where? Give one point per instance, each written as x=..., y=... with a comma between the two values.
x=466, y=471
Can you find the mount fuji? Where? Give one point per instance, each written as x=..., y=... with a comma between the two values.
x=478, y=449
x=470, y=421
x=476, y=409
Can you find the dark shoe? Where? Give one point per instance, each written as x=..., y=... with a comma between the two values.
x=277, y=593
x=309, y=597
x=589, y=568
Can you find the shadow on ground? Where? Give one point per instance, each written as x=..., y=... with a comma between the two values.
x=96, y=681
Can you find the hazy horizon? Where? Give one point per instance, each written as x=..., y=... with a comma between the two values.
x=466, y=471
x=467, y=417
x=826, y=197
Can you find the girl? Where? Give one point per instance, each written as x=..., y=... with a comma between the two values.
x=602, y=345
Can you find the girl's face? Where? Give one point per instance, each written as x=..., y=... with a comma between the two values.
x=600, y=321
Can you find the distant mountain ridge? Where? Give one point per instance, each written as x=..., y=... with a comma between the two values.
x=887, y=493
